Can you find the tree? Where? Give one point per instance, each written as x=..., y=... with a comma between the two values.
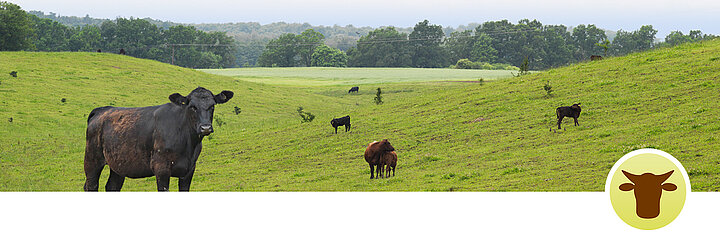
x=16, y=31
x=645, y=37
x=325, y=56
x=86, y=39
x=482, y=50
x=50, y=35
x=425, y=43
x=307, y=41
x=280, y=52
x=384, y=47
x=676, y=38
x=584, y=38
x=459, y=45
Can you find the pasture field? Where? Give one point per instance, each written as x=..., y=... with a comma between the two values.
x=323, y=76
x=499, y=135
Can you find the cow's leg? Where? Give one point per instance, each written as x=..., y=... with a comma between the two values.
x=162, y=169
x=576, y=123
x=560, y=118
x=115, y=182
x=335, y=129
x=387, y=171
x=184, y=183
x=379, y=171
x=372, y=172
x=94, y=164
x=393, y=171
x=347, y=128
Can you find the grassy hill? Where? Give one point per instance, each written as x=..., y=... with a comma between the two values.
x=493, y=136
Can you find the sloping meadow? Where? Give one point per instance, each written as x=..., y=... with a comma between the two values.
x=496, y=135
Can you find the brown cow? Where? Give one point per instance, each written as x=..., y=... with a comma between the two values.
x=595, y=58
x=374, y=154
x=390, y=161
x=648, y=190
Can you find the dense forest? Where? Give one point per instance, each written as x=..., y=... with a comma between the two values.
x=493, y=44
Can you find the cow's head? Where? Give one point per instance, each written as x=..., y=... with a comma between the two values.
x=199, y=105
x=576, y=106
x=385, y=146
x=648, y=190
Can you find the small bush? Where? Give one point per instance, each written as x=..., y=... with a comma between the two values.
x=548, y=89
x=305, y=116
x=218, y=121
x=378, y=97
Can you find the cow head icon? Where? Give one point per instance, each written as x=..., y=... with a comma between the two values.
x=648, y=189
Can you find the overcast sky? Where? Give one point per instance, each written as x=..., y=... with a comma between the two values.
x=629, y=15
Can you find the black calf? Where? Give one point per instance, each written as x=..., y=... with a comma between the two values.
x=354, y=89
x=571, y=111
x=342, y=121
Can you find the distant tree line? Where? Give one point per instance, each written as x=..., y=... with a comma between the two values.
x=181, y=45
x=494, y=44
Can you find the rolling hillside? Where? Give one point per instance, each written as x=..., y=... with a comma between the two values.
x=493, y=136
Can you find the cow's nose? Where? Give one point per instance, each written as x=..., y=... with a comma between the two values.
x=206, y=129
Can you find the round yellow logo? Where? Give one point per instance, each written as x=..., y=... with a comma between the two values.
x=647, y=188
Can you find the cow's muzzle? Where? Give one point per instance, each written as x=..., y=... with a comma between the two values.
x=206, y=130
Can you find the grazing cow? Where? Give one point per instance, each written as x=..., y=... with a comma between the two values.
x=648, y=190
x=13, y=74
x=342, y=121
x=374, y=154
x=163, y=141
x=354, y=89
x=122, y=51
x=571, y=111
x=390, y=161
x=99, y=50
x=595, y=58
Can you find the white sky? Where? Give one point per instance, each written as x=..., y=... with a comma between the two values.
x=629, y=15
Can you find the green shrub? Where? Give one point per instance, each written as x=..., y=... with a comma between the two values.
x=305, y=116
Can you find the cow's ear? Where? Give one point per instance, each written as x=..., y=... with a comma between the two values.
x=627, y=187
x=223, y=97
x=178, y=99
x=669, y=187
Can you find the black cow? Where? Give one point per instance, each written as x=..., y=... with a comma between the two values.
x=354, y=89
x=139, y=142
x=571, y=111
x=122, y=51
x=13, y=74
x=342, y=121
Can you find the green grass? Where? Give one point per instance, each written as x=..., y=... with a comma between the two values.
x=494, y=136
x=317, y=76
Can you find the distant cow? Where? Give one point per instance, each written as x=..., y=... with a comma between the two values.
x=13, y=74
x=163, y=141
x=390, y=161
x=99, y=50
x=595, y=58
x=648, y=190
x=374, y=154
x=342, y=121
x=122, y=51
x=354, y=89
x=571, y=111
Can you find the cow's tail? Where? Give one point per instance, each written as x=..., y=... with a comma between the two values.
x=96, y=111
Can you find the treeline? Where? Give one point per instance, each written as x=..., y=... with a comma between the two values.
x=494, y=42
x=181, y=45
